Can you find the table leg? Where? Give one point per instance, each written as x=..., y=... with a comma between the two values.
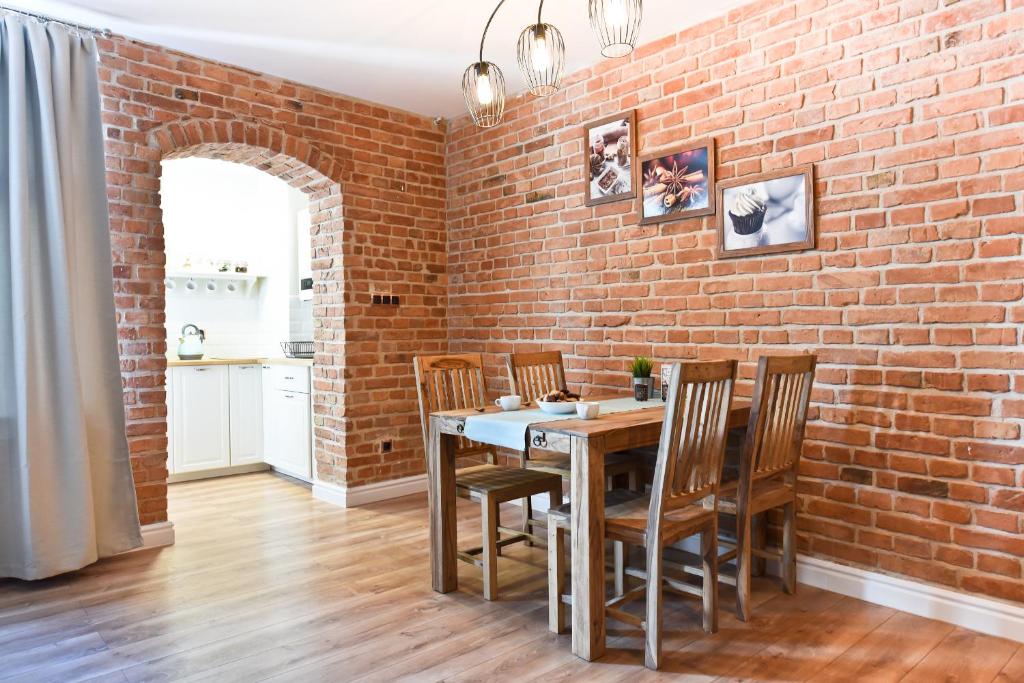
x=588, y=576
x=441, y=494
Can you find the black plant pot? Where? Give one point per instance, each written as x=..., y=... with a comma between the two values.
x=642, y=388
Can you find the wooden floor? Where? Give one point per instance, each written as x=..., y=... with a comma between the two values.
x=267, y=584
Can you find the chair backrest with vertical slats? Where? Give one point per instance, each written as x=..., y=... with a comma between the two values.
x=451, y=382
x=778, y=413
x=531, y=375
x=692, y=447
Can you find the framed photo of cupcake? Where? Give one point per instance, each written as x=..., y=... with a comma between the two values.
x=678, y=183
x=767, y=213
x=610, y=146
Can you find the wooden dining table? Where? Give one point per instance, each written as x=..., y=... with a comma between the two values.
x=586, y=442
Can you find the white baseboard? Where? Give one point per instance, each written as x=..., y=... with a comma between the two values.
x=157, y=535
x=369, y=493
x=217, y=472
x=384, y=490
x=330, y=493
x=974, y=612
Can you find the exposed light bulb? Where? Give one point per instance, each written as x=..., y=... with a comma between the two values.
x=484, y=95
x=540, y=57
x=616, y=15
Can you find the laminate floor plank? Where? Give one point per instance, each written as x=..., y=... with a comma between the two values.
x=888, y=652
x=774, y=616
x=267, y=583
x=1013, y=672
x=808, y=645
x=964, y=656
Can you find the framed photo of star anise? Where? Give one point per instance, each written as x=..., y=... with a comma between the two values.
x=610, y=155
x=677, y=183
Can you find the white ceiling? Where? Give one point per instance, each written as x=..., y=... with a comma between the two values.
x=405, y=53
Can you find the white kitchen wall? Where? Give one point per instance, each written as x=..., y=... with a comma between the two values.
x=301, y=318
x=216, y=211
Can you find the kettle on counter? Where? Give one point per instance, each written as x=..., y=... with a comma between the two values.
x=191, y=343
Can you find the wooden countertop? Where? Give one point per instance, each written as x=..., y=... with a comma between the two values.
x=174, y=361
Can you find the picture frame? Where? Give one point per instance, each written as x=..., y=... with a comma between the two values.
x=610, y=179
x=667, y=184
x=767, y=213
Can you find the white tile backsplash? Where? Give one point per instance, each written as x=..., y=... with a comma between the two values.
x=300, y=325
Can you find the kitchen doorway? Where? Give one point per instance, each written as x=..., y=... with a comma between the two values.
x=239, y=321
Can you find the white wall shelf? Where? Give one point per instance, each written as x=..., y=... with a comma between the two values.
x=209, y=284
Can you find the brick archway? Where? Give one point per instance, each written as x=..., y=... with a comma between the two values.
x=302, y=166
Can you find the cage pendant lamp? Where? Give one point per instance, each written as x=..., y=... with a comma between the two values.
x=617, y=24
x=541, y=53
x=483, y=86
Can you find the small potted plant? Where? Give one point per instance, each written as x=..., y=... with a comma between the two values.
x=641, y=368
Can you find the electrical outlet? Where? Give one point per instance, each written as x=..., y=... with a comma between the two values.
x=384, y=299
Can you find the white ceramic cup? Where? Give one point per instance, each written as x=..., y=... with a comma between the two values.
x=508, y=402
x=588, y=410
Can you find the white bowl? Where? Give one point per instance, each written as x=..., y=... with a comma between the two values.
x=557, y=407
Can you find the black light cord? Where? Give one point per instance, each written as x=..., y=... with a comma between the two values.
x=484, y=36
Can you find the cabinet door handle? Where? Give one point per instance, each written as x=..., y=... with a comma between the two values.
x=201, y=369
x=288, y=377
x=288, y=396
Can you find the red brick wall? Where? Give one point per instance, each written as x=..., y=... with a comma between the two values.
x=912, y=112
x=384, y=232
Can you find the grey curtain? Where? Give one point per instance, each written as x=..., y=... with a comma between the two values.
x=66, y=491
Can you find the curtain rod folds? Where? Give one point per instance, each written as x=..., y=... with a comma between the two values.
x=104, y=32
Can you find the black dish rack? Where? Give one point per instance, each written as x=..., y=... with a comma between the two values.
x=298, y=349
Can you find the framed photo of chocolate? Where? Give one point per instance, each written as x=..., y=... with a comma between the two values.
x=767, y=213
x=610, y=155
x=678, y=184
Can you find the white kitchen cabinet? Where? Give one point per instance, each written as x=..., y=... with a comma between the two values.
x=200, y=421
x=246, y=400
x=241, y=417
x=289, y=435
x=269, y=414
x=288, y=422
x=289, y=378
x=169, y=387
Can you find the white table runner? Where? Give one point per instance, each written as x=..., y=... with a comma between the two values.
x=508, y=429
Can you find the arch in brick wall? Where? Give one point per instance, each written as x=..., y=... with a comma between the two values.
x=302, y=166
x=292, y=159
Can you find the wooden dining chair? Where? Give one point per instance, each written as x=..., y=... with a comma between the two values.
x=456, y=382
x=683, y=502
x=768, y=464
x=531, y=375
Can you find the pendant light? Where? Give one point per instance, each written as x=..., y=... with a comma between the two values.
x=541, y=53
x=483, y=86
x=617, y=23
